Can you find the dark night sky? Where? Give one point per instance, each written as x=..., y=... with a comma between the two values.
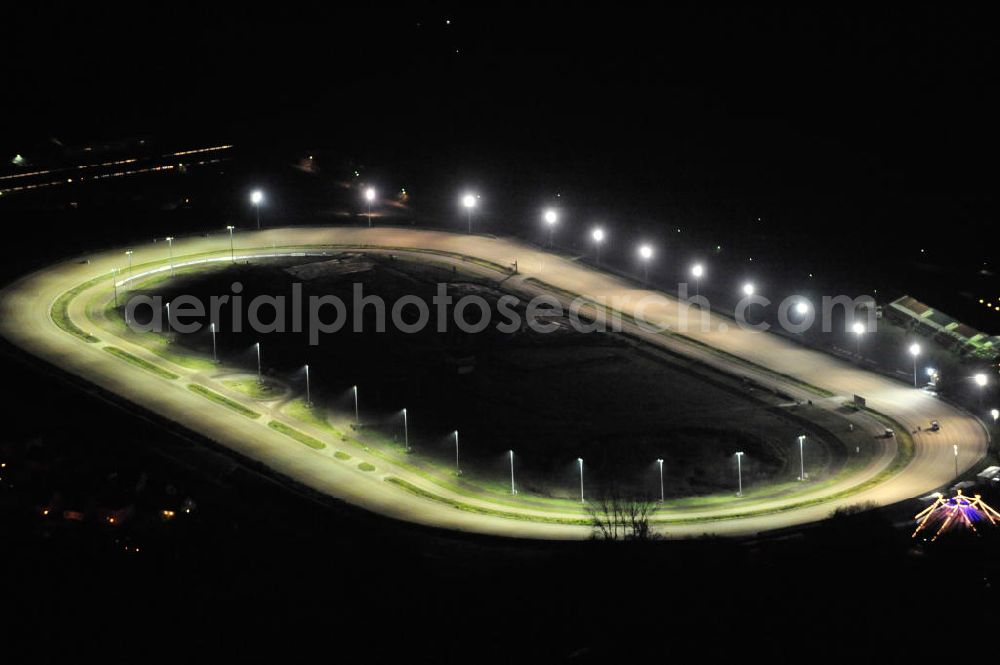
x=881, y=119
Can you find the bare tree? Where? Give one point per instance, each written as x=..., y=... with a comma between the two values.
x=615, y=516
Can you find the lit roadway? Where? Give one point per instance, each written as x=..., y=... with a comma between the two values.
x=25, y=320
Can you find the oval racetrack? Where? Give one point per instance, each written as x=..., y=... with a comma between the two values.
x=25, y=320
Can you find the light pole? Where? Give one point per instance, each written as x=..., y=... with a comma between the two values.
x=128, y=253
x=598, y=235
x=469, y=202
x=308, y=393
x=170, y=249
x=512, y=490
x=981, y=381
x=232, y=247
x=357, y=412
x=697, y=270
x=406, y=431
x=114, y=283
x=260, y=373
x=802, y=457
x=369, y=197
x=914, y=351
x=256, y=198
x=645, y=254
x=458, y=469
x=169, y=326
x=551, y=218
x=215, y=354
x=579, y=461
x=858, y=329
x=739, y=473
x=659, y=462
x=956, y=459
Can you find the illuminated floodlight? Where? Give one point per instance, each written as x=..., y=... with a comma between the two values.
x=980, y=380
x=370, y=194
x=646, y=252
x=597, y=234
x=995, y=413
x=697, y=270
x=550, y=217
x=914, y=349
x=748, y=289
x=858, y=328
x=256, y=197
x=802, y=307
x=469, y=201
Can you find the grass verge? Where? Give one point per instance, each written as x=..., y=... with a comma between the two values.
x=223, y=400
x=139, y=362
x=301, y=437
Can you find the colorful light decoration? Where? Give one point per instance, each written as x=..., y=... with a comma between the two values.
x=959, y=510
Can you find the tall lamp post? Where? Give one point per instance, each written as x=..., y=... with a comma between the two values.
x=232, y=247
x=914, y=351
x=645, y=254
x=469, y=202
x=659, y=463
x=215, y=354
x=512, y=489
x=260, y=373
x=858, y=329
x=128, y=253
x=308, y=392
x=579, y=460
x=697, y=270
x=357, y=412
x=256, y=198
x=739, y=473
x=802, y=457
x=369, y=197
x=458, y=469
x=170, y=250
x=955, y=446
x=551, y=218
x=598, y=235
x=406, y=431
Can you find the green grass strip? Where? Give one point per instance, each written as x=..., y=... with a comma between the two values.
x=366, y=466
x=301, y=437
x=223, y=400
x=139, y=362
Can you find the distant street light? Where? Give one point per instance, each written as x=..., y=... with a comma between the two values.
x=169, y=325
x=659, y=462
x=469, y=201
x=748, y=289
x=981, y=381
x=739, y=473
x=802, y=457
x=579, y=461
x=260, y=373
x=598, y=235
x=697, y=270
x=458, y=469
x=128, y=253
x=215, y=354
x=512, y=489
x=357, y=412
x=858, y=329
x=550, y=218
x=232, y=248
x=802, y=308
x=995, y=413
x=955, y=446
x=406, y=431
x=369, y=197
x=645, y=254
x=308, y=392
x=256, y=198
x=914, y=351
x=170, y=249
